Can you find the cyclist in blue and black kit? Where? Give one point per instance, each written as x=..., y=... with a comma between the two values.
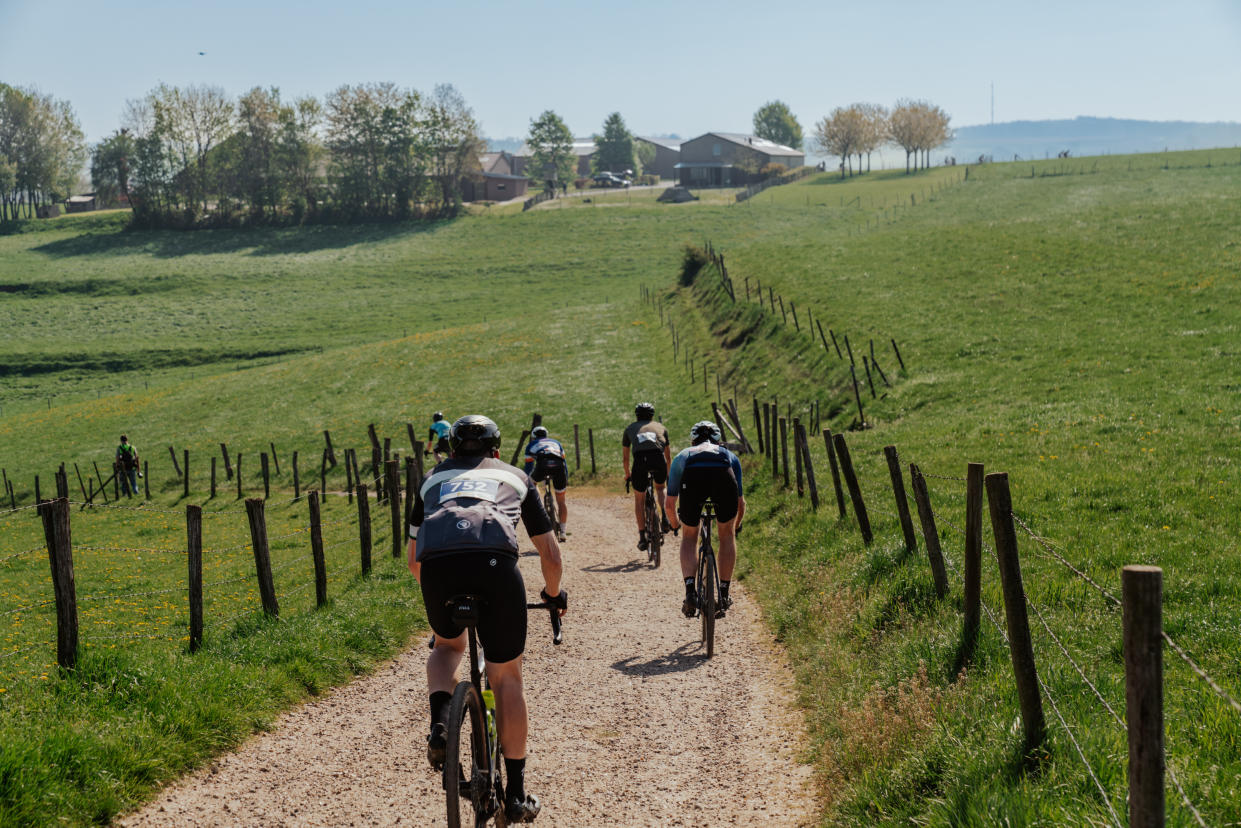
x=545, y=459
x=706, y=471
x=437, y=437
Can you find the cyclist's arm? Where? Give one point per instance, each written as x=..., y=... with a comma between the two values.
x=675, y=470
x=625, y=460
x=736, y=465
x=670, y=510
x=549, y=561
x=415, y=520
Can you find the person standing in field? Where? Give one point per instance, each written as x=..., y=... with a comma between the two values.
x=127, y=462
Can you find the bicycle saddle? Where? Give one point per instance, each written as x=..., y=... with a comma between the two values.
x=464, y=609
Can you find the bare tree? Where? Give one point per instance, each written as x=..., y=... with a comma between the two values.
x=455, y=141
x=841, y=134
x=903, y=128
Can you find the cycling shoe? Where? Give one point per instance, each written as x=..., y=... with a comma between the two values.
x=522, y=810
x=689, y=607
x=437, y=745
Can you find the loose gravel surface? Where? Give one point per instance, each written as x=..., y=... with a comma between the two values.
x=630, y=723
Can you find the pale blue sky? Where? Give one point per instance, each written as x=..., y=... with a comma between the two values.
x=667, y=67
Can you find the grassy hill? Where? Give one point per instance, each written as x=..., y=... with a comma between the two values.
x=1070, y=323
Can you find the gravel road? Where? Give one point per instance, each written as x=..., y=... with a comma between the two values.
x=629, y=723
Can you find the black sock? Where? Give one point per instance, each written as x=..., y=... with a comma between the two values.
x=724, y=588
x=515, y=770
x=689, y=586
x=439, y=706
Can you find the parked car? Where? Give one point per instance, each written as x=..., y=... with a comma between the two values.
x=607, y=179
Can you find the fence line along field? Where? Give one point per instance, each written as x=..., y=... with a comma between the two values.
x=1071, y=329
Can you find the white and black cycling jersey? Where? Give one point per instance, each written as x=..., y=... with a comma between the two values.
x=474, y=503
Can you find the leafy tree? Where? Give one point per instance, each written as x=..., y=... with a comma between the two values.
x=42, y=140
x=455, y=142
x=551, y=149
x=109, y=167
x=191, y=122
x=775, y=122
x=371, y=132
x=644, y=152
x=615, y=147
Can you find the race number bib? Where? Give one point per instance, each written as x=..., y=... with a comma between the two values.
x=473, y=489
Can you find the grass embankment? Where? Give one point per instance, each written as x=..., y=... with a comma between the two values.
x=1077, y=332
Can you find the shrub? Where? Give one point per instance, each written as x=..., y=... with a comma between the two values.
x=693, y=260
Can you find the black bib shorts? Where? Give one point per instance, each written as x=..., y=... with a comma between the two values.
x=493, y=577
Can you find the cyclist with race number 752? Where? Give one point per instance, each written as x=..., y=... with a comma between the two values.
x=646, y=441
x=463, y=540
x=706, y=471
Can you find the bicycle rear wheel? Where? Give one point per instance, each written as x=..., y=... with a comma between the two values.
x=549, y=505
x=653, y=534
x=465, y=761
x=707, y=601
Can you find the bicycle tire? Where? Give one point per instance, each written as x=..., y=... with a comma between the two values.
x=707, y=602
x=549, y=505
x=653, y=535
x=465, y=707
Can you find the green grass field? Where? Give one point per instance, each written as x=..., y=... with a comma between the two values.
x=1073, y=328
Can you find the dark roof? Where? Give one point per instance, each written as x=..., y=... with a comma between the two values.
x=760, y=144
x=504, y=176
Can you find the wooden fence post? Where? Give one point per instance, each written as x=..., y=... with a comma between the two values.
x=331, y=455
x=186, y=477
x=98, y=477
x=228, y=467
x=831, y=461
x=194, y=556
x=1020, y=647
x=898, y=355
x=116, y=482
x=765, y=430
x=364, y=528
x=855, y=491
x=316, y=549
x=775, y=451
x=758, y=427
x=349, y=481
x=869, y=380
x=263, y=463
x=797, y=455
x=857, y=395
x=274, y=457
x=793, y=310
x=590, y=436
x=1142, y=590
x=973, y=555
x=297, y=481
x=60, y=554
x=38, y=497
x=902, y=502
x=517, y=449
x=262, y=555
x=173, y=454
x=577, y=448
x=934, y=554
x=784, y=449
x=323, y=463
x=393, y=485
x=814, y=488
x=213, y=477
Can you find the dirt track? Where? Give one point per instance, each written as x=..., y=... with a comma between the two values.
x=629, y=723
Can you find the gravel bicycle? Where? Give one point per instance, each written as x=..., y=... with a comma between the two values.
x=707, y=580
x=472, y=761
x=549, y=505
x=651, y=519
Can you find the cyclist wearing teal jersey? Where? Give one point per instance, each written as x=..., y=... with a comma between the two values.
x=437, y=437
x=706, y=471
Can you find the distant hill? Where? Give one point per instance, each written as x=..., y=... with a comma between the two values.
x=1085, y=136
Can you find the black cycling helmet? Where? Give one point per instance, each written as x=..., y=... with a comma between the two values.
x=644, y=410
x=474, y=436
x=704, y=431
x=539, y=433
x=437, y=416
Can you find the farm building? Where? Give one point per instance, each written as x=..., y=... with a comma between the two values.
x=667, y=154
x=496, y=181
x=730, y=159
x=80, y=203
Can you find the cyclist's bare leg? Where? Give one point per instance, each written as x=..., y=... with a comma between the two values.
x=689, y=551
x=639, y=509
x=728, y=548
x=443, y=662
x=506, y=683
x=561, y=508
x=659, y=498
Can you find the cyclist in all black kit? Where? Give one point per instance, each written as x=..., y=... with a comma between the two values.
x=706, y=470
x=545, y=459
x=647, y=441
x=463, y=540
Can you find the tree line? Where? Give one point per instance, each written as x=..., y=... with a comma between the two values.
x=42, y=151
x=191, y=156
x=859, y=129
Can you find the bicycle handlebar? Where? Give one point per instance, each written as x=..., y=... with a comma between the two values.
x=557, y=636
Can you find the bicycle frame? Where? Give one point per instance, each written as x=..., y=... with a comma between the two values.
x=707, y=582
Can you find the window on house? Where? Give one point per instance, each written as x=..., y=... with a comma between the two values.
x=500, y=186
x=715, y=149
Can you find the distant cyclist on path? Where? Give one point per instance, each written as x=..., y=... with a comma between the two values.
x=545, y=459
x=127, y=458
x=706, y=471
x=646, y=442
x=463, y=540
x=437, y=437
